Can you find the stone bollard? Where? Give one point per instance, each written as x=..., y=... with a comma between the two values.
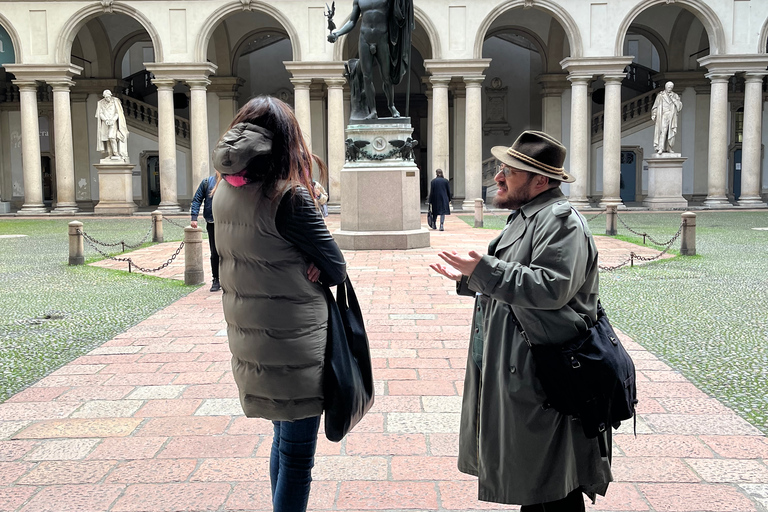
x=688, y=240
x=610, y=220
x=157, y=227
x=478, y=213
x=76, y=243
x=193, y=256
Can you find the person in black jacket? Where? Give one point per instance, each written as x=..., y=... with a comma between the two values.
x=439, y=199
x=203, y=195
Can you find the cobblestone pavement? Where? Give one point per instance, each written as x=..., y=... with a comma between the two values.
x=150, y=421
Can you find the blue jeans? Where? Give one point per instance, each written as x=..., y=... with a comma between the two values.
x=291, y=461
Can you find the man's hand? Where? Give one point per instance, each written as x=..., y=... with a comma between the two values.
x=313, y=273
x=332, y=37
x=459, y=265
x=193, y=224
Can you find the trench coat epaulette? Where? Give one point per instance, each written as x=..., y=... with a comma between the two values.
x=562, y=209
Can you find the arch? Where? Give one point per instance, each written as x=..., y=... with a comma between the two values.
x=125, y=44
x=206, y=31
x=17, y=50
x=419, y=17
x=238, y=48
x=553, y=9
x=528, y=34
x=555, y=43
x=221, y=50
x=657, y=41
x=762, y=43
x=81, y=17
x=701, y=10
x=96, y=50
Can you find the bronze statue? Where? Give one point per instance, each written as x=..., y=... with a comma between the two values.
x=385, y=38
x=405, y=147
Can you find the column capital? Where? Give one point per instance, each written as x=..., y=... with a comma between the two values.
x=26, y=85
x=180, y=71
x=580, y=79
x=719, y=76
x=614, y=79
x=43, y=72
x=439, y=81
x=198, y=83
x=335, y=83
x=61, y=85
x=301, y=83
x=755, y=76
x=474, y=81
x=164, y=83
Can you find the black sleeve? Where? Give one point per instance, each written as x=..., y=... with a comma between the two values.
x=298, y=221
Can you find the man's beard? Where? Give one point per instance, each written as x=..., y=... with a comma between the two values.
x=514, y=201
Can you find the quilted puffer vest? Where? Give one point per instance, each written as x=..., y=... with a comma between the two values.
x=276, y=318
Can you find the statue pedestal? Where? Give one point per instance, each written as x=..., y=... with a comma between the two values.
x=115, y=188
x=380, y=192
x=665, y=182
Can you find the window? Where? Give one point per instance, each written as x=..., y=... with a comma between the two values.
x=738, y=125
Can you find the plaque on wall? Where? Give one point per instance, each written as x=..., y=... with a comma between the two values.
x=496, y=108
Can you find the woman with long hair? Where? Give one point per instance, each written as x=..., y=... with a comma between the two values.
x=275, y=255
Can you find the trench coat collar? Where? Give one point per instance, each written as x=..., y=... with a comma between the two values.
x=516, y=224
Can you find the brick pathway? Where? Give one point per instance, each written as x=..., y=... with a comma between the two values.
x=150, y=421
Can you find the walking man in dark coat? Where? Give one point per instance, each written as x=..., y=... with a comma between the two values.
x=439, y=199
x=540, y=272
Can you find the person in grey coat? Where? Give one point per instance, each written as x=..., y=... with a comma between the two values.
x=439, y=199
x=541, y=271
x=275, y=251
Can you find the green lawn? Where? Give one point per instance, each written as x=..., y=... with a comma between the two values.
x=53, y=313
x=706, y=316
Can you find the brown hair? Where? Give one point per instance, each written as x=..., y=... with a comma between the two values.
x=290, y=158
x=439, y=173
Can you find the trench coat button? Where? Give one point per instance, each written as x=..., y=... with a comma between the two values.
x=512, y=369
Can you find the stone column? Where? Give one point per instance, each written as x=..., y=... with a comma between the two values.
x=166, y=141
x=30, y=150
x=440, y=135
x=81, y=149
x=458, y=132
x=580, y=140
x=717, y=175
x=226, y=89
x=552, y=88
x=198, y=120
x=612, y=140
x=336, y=155
x=751, y=144
x=65, y=159
x=473, y=146
x=302, y=107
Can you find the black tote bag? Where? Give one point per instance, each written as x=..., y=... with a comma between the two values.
x=348, y=375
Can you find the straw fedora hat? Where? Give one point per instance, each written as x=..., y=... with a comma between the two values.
x=535, y=152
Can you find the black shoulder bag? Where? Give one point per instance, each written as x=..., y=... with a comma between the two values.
x=591, y=378
x=348, y=375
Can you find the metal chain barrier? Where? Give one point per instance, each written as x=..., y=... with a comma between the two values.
x=121, y=243
x=590, y=219
x=634, y=256
x=173, y=223
x=131, y=264
x=646, y=235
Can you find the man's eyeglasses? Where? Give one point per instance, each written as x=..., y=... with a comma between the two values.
x=504, y=169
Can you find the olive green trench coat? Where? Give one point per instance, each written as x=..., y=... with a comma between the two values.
x=543, y=267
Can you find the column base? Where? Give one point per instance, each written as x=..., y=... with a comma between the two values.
x=469, y=205
x=65, y=209
x=32, y=209
x=612, y=201
x=381, y=240
x=751, y=202
x=717, y=203
x=579, y=204
x=169, y=208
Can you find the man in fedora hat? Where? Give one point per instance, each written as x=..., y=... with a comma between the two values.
x=540, y=273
